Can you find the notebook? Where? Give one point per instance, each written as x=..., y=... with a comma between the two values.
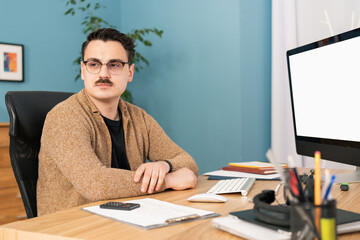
x=250, y=170
x=255, y=165
x=245, y=224
x=234, y=174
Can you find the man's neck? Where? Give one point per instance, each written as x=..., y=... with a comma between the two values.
x=108, y=109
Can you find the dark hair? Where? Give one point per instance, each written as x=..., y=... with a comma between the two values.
x=110, y=34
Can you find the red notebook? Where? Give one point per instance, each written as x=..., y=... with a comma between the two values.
x=250, y=170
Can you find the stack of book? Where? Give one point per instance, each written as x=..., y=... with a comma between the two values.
x=252, y=167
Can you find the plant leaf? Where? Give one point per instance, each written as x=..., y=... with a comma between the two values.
x=147, y=43
x=127, y=96
x=77, y=77
x=68, y=11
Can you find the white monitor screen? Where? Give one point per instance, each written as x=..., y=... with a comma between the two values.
x=326, y=91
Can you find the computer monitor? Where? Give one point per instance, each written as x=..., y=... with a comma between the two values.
x=325, y=97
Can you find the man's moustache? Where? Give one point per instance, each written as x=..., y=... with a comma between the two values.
x=103, y=80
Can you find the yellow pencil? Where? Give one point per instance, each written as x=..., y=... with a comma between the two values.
x=317, y=190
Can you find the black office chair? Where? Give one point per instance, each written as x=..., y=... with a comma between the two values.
x=27, y=110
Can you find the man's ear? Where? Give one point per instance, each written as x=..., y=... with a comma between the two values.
x=82, y=70
x=131, y=72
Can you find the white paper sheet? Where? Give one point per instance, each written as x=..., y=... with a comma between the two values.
x=151, y=212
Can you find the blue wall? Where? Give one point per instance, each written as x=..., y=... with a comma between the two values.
x=208, y=83
x=209, y=80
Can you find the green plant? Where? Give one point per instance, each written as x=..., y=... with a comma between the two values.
x=92, y=22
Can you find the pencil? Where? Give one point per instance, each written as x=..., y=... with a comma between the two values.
x=317, y=189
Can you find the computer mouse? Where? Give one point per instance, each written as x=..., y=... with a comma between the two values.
x=207, y=197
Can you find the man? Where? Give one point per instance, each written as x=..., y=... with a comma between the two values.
x=94, y=145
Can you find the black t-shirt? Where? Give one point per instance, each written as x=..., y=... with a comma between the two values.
x=118, y=151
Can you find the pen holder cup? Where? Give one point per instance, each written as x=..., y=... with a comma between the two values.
x=308, y=221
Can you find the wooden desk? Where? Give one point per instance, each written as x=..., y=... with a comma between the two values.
x=77, y=224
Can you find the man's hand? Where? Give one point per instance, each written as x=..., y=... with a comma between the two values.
x=153, y=175
x=181, y=179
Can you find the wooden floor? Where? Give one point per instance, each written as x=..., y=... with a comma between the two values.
x=11, y=206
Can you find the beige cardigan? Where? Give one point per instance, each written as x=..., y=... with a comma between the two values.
x=75, y=154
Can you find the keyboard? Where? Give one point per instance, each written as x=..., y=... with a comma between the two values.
x=234, y=185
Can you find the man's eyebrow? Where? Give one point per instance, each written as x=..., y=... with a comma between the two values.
x=93, y=59
x=110, y=61
x=116, y=60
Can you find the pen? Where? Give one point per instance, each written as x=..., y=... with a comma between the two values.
x=329, y=188
x=182, y=218
x=293, y=184
x=302, y=196
x=327, y=180
x=294, y=181
x=317, y=186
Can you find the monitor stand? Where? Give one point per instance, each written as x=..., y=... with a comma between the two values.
x=348, y=177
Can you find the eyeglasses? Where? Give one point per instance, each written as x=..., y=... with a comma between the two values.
x=114, y=67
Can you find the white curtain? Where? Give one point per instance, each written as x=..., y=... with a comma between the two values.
x=296, y=23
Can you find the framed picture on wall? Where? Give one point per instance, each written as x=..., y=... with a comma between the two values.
x=11, y=62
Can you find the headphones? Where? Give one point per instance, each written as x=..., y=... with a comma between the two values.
x=279, y=214
x=273, y=214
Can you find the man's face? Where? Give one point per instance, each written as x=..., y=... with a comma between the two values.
x=105, y=86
